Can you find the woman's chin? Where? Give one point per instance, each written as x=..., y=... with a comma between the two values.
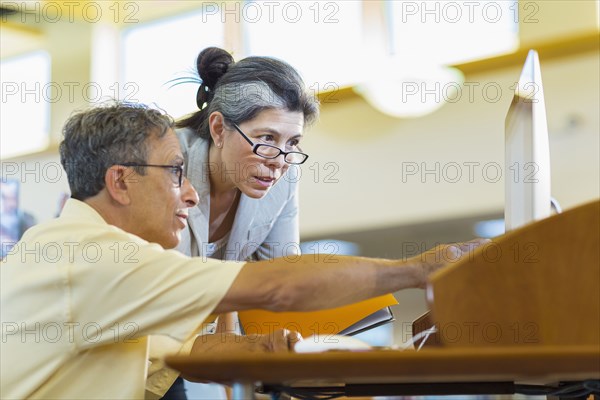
x=255, y=193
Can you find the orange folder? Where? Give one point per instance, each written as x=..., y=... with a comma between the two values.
x=331, y=321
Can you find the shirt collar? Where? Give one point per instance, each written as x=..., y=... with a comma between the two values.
x=78, y=209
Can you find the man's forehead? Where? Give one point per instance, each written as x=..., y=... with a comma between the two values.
x=166, y=147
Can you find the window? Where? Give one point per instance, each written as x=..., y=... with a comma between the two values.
x=321, y=39
x=157, y=53
x=449, y=32
x=26, y=98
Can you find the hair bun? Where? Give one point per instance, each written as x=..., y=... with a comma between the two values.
x=212, y=63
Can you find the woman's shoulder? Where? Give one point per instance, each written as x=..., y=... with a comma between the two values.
x=192, y=145
x=187, y=137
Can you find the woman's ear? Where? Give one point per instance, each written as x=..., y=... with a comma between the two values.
x=118, y=180
x=216, y=125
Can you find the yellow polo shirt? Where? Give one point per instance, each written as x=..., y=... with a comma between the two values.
x=79, y=298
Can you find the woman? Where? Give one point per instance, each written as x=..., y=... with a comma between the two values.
x=241, y=150
x=250, y=111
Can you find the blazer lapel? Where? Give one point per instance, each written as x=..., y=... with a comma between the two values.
x=197, y=174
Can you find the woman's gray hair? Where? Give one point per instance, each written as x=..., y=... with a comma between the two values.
x=103, y=136
x=240, y=91
x=239, y=102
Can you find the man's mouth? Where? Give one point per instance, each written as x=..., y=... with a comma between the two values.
x=182, y=217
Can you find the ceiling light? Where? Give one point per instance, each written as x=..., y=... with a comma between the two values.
x=405, y=90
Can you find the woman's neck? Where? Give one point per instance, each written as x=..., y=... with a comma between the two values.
x=224, y=198
x=221, y=182
x=223, y=208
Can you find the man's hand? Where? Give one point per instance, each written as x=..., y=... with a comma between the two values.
x=278, y=340
x=443, y=255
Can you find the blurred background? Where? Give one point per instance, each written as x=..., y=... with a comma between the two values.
x=409, y=148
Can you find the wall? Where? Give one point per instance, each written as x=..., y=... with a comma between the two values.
x=358, y=175
x=354, y=177
x=368, y=182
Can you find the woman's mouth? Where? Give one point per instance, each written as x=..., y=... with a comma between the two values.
x=264, y=181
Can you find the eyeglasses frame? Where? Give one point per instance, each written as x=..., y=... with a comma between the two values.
x=256, y=146
x=179, y=169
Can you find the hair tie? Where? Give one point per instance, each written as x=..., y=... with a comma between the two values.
x=204, y=96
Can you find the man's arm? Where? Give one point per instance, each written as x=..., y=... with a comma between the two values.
x=318, y=281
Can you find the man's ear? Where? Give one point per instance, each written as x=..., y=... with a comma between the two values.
x=216, y=125
x=118, y=180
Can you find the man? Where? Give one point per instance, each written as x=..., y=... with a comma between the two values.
x=80, y=294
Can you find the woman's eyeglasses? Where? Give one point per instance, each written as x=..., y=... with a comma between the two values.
x=268, y=151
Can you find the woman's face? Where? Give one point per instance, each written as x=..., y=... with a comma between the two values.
x=240, y=167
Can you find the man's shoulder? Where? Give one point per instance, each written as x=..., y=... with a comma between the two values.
x=77, y=230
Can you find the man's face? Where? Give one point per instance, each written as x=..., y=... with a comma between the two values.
x=159, y=206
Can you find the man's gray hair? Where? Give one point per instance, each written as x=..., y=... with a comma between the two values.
x=106, y=135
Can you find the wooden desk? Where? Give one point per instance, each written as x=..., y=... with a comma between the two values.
x=520, y=364
x=543, y=306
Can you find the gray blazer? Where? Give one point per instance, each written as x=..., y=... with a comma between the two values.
x=262, y=229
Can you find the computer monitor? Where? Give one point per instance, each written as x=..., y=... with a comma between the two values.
x=527, y=151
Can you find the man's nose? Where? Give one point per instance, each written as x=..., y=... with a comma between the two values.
x=189, y=194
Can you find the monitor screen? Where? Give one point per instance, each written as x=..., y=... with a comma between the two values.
x=527, y=152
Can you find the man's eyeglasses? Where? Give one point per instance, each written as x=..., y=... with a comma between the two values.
x=176, y=170
x=268, y=151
